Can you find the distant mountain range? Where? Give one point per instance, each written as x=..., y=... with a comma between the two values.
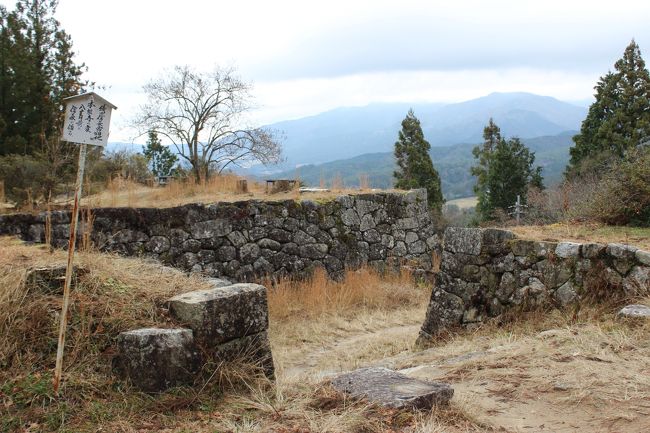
x=348, y=132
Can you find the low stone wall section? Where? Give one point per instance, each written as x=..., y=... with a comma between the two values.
x=248, y=239
x=486, y=272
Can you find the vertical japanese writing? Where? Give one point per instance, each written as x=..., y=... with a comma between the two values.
x=73, y=112
x=89, y=115
x=99, y=129
x=80, y=117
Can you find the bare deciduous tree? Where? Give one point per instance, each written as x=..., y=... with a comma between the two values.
x=201, y=114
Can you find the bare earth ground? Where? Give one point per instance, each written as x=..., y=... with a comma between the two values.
x=543, y=373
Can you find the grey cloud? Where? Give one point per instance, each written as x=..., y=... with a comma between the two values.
x=425, y=43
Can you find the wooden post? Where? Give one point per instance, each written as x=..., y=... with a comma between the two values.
x=74, y=218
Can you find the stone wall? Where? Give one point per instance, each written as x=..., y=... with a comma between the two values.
x=247, y=239
x=486, y=272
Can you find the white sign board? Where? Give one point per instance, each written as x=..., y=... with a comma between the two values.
x=87, y=118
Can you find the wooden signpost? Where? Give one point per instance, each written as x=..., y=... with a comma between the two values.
x=87, y=118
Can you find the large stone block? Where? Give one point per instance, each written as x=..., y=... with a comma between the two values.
x=50, y=279
x=392, y=389
x=463, y=240
x=155, y=359
x=222, y=314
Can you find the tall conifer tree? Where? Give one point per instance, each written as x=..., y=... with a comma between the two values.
x=414, y=166
x=619, y=119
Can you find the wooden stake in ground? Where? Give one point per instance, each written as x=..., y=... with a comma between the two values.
x=87, y=118
x=72, y=242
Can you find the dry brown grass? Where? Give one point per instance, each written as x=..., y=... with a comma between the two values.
x=120, y=192
x=318, y=295
x=585, y=232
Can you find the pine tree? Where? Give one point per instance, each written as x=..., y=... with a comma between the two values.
x=619, y=119
x=158, y=156
x=414, y=166
x=504, y=171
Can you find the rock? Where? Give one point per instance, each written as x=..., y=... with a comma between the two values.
x=444, y=310
x=313, y=251
x=624, y=256
x=567, y=250
x=637, y=282
x=50, y=279
x=350, y=218
x=463, y=240
x=157, y=244
x=643, y=257
x=635, y=311
x=222, y=314
x=593, y=250
x=372, y=236
x=389, y=388
x=269, y=244
x=155, y=359
x=249, y=253
x=211, y=229
x=566, y=294
x=226, y=253
x=236, y=238
x=367, y=223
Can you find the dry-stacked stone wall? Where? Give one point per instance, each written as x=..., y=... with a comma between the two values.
x=244, y=240
x=486, y=272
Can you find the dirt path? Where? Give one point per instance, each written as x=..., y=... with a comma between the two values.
x=576, y=379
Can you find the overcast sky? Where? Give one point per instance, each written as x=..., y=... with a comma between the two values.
x=305, y=57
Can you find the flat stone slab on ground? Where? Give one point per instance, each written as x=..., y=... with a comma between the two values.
x=635, y=311
x=392, y=389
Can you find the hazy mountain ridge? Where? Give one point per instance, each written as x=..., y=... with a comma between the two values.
x=348, y=132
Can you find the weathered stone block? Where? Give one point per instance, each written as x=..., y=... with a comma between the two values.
x=155, y=359
x=222, y=314
x=643, y=257
x=211, y=229
x=566, y=294
x=568, y=250
x=593, y=250
x=392, y=389
x=463, y=240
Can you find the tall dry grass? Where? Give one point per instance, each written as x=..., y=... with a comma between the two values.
x=362, y=288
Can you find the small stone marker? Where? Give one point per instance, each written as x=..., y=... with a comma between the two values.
x=635, y=311
x=50, y=279
x=154, y=359
x=392, y=389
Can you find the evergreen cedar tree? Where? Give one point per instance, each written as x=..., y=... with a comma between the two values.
x=619, y=119
x=159, y=157
x=504, y=170
x=37, y=71
x=414, y=166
